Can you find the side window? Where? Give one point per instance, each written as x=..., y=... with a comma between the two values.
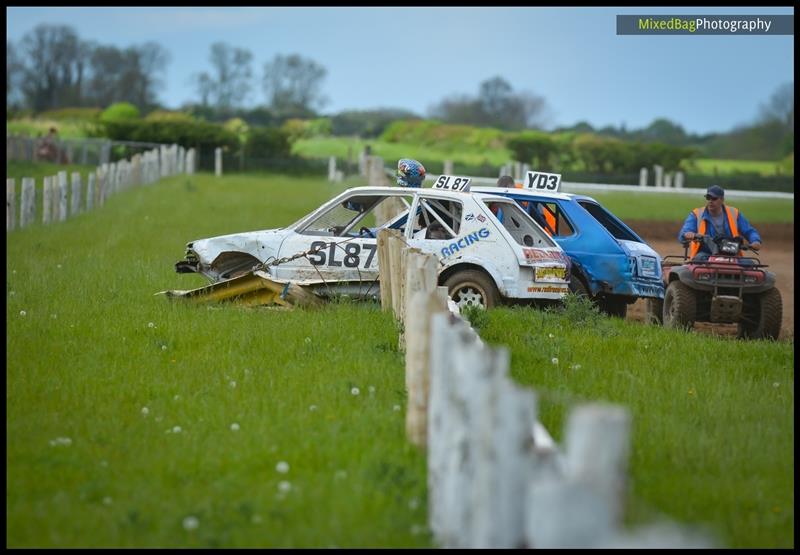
x=518, y=223
x=608, y=221
x=550, y=216
x=350, y=217
x=437, y=219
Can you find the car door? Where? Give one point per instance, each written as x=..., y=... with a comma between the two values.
x=340, y=243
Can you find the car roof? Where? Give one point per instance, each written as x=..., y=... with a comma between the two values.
x=489, y=193
x=529, y=192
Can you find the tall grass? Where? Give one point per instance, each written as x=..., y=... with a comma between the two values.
x=89, y=347
x=712, y=418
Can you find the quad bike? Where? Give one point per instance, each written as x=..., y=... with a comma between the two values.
x=724, y=288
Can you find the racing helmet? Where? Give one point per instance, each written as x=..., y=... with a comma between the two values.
x=410, y=173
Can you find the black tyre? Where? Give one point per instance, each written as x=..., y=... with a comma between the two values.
x=762, y=316
x=613, y=306
x=654, y=311
x=577, y=286
x=472, y=288
x=680, y=306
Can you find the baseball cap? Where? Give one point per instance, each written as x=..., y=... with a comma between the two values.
x=715, y=191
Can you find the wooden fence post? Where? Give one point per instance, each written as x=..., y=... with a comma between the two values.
x=423, y=303
x=76, y=193
x=28, y=205
x=90, y=191
x=63, y=196
x=11, y=204
x=332, y=168
x=47, y=199
x=384, y=267
x=643, y=177
x=395, y=246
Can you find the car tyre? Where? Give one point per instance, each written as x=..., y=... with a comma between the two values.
x=472, y=288
x=680, y=306
x=577, y=286
x=762, y=318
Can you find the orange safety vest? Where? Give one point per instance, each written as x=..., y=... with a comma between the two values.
x=702, y=225
x=549, y=218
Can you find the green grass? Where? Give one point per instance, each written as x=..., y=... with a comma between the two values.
x=83, y=361
x=34, y=127
x=343, y=147
x=715, y=166
x=712, y=418
x=655, y=206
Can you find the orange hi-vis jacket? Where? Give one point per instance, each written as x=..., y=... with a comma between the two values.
x=548, y=217
x=702, y=226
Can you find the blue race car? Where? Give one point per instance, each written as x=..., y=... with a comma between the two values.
x=610, y=262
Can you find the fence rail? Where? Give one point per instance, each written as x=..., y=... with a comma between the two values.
x=496, y=477
x=62, y=197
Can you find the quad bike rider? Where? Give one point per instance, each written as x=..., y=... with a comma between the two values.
x=714, y=281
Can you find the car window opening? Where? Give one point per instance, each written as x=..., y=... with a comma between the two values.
x=520, y=225
x=609, y=221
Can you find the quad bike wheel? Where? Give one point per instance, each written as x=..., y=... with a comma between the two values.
x=472, y=288
x=762, y=316
x=680, y=306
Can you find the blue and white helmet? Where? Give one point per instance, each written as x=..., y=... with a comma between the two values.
x=410, y=173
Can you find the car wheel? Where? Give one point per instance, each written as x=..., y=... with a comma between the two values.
x=762, y=316
x=577, y=286
x=654, y=311
x=472, y=288
x=680, y=306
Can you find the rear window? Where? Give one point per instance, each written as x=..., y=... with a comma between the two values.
x=608, y=221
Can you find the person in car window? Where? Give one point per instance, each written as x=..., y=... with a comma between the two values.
x=717, y=220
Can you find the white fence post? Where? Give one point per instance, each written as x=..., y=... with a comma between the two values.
x=190, y=162
x=332, y=168
x=90, y=191
x=28, y=204
x=643, y=177
x=668, y=180
x=11, y=204
x=63, y=194
x=448, y=167
x=218, y=162
x=679, y=177
x=659, y=175
x=47, y=200
x=76, y=194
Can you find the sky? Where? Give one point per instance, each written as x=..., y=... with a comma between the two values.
x=412, y=58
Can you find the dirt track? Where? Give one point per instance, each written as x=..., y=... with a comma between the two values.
x=777, y=252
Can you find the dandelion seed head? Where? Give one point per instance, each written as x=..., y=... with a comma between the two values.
x=151, y=325
x=355, y=391
x=554, y=360
x=58, y=266
x=145, y=411
x=284, y=486
x=176, y=429
x=22, y=313
x=232, y=384
x=371, y=389
x=776, y=384
x=190, y=523
x=550, y=335
x=12, y=293
x=235, y=427
x=307, y=340
x=53, y=316
x=396, y=408
x=312, y=408
x=282, y=467
x=163, y=347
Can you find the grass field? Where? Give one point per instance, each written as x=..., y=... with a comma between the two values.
x=715, y=166
x=89, y=347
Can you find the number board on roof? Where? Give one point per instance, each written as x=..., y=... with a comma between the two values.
x=541, y=181
x=452, y=183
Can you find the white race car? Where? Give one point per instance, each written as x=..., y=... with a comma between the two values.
x=333, y=250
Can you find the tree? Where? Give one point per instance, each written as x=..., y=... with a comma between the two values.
x=497, y=105
x=292, y=85
x=780, y=106
x=230, y=82
x=14, y=70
